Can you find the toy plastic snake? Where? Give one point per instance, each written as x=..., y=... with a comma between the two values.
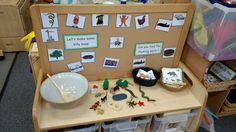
x=131, y=93
x=143, y=95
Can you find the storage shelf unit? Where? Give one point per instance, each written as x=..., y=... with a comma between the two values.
x=217, y=95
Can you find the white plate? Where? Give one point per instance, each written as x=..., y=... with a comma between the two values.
x=74, y=85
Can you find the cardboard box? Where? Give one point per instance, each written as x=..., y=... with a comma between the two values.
x=15, y=18
x=12, y=44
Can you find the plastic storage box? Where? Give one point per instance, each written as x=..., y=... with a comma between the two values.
x=172, y=123
x=213, y=31
x=127, y=126
x=89, y=128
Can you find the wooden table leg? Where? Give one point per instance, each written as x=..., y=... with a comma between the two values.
x=2, y=57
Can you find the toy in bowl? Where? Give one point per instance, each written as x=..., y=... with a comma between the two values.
x=72, y=86
x=145, y=76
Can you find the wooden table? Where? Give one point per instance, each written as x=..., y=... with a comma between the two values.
x=47, y=116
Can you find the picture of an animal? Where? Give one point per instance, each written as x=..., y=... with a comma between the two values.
x=142, y=21
x=51, y=18
x=88, y=57
x=123, y=20
x=172, y=74
x=99, y=19
x=163, y=25
x=117, y=42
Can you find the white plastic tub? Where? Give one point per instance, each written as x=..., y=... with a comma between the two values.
x=171, y=123
x=92, y=128
x=127, y=126
x=212, y=33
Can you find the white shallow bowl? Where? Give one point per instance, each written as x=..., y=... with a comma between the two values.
x=74, y=85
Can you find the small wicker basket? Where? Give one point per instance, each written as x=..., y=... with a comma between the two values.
x=176, y=88
x=219, y=86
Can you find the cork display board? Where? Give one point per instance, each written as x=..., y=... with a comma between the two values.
x=112, y=49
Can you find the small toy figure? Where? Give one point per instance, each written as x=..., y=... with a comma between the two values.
x=140, y=103
x=123, y=20
x=94, y=89
x=122, y=83
x=113, y=90
x=100, y=19
x=75, y=21
x=105, y=84
x=95, y=105
x=104, y=98
x=131, y=102
x=141, y=21
x=116, y=88
x=100, y=111
x=98, y=94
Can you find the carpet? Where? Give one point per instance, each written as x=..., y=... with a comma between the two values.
x=5, y=67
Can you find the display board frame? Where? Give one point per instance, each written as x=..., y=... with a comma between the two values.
x=175, y=38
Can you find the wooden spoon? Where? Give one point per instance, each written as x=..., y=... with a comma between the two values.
x=63, y=94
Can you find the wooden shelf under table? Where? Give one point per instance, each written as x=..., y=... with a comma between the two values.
x=48, y=117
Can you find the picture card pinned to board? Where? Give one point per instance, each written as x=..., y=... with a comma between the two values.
x=87, y=57
x=100, y=19
x=75, y=21
x=222, y=71
x=149, y=48
x=75, y=67
x=116, y=42
x=49, y=20
x=139, y=62
x=55, y=54
x=123, y=20
x=163, y=25
x=172, y=75
x=142, y=21
x=80, y=41
x=49, y=35
x=110, y=62
x=169, y=52
x=178, y=19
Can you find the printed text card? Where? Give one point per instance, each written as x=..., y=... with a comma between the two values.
x=144, y=49
x=80, y=41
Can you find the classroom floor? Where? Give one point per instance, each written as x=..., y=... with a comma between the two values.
x=16, y=100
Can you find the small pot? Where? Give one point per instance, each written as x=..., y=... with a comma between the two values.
x=144, y=82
